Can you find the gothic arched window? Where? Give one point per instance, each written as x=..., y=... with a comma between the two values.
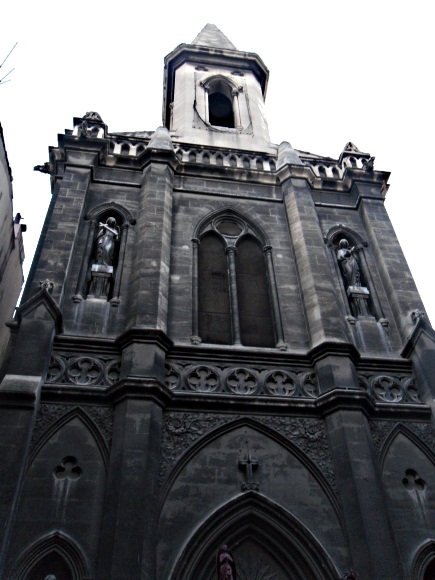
x=220, y=104
x=235, y=298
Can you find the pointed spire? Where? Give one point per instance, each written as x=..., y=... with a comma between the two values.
x=212, y=37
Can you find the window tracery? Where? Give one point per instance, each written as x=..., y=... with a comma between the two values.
x=235, y=299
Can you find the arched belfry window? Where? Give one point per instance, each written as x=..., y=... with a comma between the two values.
x=235, y=299
x=222, y=108
x=220, y=104
x=103, y=260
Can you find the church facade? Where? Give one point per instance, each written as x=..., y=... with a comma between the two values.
x=219, y=343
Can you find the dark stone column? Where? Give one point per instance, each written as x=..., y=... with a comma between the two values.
x=52, y=260
x=325, y=319
x=150, y=276
x=129, y=528
x=393, y=268
x=33, y=330
x=372, y=547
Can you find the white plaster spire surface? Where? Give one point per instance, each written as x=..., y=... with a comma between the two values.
x=212, y=37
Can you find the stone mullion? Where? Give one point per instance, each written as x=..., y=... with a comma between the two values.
x=235, y=318
x=195, y=300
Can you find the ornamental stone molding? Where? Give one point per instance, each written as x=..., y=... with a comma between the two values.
x=181, y=430
x=390, y=389
x=49, y=414
x=380, y=431
x=241, y=381
x=83, y=370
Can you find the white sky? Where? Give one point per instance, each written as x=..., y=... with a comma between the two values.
x=339, y=71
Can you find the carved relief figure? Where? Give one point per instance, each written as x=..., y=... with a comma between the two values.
x=348, y=264
x=226, y=567
x=106, y=242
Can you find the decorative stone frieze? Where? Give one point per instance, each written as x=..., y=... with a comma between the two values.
x=83, y=370
x=390, y=389
x=241, y=381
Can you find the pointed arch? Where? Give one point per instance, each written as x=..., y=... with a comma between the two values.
x=62, y=547
x=269, y=432
x=255, y=315
x=208, y=222
x=277, y=531
x=103, y=208
x=90, y=425
x=400, y=428
x=423, y=559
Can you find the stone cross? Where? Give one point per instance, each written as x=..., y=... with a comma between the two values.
x=249, y=463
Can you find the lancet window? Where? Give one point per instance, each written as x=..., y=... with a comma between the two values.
x=235, y=299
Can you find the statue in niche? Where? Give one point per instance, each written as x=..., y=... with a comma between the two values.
x=105, y=257
x=358, y=295
x=107, y=237
x=348, y=264
x=226, y=567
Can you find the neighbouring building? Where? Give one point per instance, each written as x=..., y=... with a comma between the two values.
x=11, y=251
x=219, y=343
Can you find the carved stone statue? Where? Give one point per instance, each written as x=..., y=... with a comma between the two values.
x=106, y=242
x=348, y=264
x=226, y=567
x=105, y=255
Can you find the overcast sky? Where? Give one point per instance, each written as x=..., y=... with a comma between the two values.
x=339, y=71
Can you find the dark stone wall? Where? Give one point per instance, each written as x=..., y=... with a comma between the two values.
x=140, y=472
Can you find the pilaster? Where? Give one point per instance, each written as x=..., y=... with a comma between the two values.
x=129, y=528
x=52, y=258
x=372, y=547
x=324, y=317
x=393, y=268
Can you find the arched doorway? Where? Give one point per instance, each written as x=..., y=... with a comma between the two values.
x=264, y=539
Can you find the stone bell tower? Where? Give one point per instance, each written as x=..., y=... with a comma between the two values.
x=220, y=355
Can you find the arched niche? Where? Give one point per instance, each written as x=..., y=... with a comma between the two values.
x=263, y=538
x=211, y=473
x=55, y=554
x=408, y=475
x=333, y=238
x=235, y=295
x=103, y=259
x=67, y=475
